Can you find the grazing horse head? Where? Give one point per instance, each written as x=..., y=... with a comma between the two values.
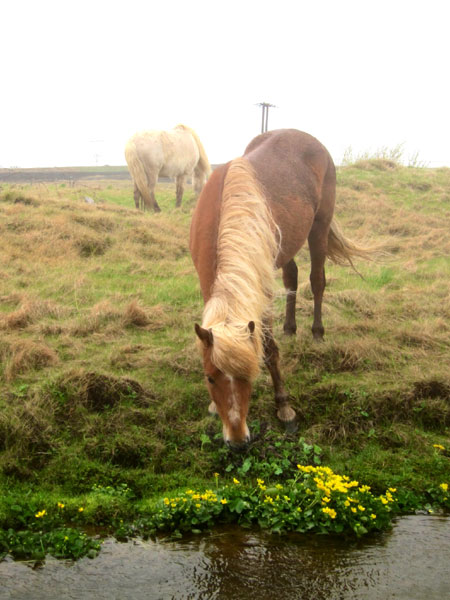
x=229, y=387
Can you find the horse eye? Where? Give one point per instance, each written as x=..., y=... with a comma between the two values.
x=210, y=379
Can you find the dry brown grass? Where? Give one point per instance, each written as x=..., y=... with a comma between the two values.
x=96, y=325
x=23, y=355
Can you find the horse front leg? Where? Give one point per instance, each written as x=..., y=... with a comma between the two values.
x=180, y=190
x=290, y=280
x=285, y=412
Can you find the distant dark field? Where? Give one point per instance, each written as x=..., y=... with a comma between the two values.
x=63, y=174
x=66, y=174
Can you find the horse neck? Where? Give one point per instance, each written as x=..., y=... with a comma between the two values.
x=246, y=253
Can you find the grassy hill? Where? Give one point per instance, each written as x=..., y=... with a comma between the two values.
x=100, y=379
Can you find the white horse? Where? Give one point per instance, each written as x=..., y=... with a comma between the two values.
x=176, y=153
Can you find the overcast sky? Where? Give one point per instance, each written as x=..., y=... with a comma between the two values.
x=79, y=78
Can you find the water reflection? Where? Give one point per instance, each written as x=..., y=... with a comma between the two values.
x=412, y=562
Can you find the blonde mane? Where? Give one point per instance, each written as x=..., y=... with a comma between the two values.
x=247, y=248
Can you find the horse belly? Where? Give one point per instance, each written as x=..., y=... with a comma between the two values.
x=294, y=218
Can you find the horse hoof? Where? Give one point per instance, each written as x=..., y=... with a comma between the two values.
x=291, y=426
x=289, y=330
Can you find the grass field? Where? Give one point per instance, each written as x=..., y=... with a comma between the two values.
x=101, y=383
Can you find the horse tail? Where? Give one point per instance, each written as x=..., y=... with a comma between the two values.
x=203, y=163
x=138, y=172
x=341, y=250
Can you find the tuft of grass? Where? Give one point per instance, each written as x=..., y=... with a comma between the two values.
x=383, y=158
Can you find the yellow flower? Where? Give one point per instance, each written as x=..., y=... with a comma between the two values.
x=40, y=514
x=166, y=501
x=326, y=499
x=260, y=481
x=392, y=490
x=173, y=504
x=60, y=505
x=80, y=509
x=224, y=501
x=383, y=500
x=444, y=486
x=361, y=507
x=329, y=511
x=236, y=481
x=372, y=516
x=279, y=486
x=66, y=537
x=216, y=475
x=364, y=488
x=438, y=446
x=353, y=509
x=346, y=503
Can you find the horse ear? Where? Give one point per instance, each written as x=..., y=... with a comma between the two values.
x=205, y=335
x=251, y=327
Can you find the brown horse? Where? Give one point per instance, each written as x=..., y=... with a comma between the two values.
x=253, y=216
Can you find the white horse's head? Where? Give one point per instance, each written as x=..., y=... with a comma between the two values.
x=198, y=180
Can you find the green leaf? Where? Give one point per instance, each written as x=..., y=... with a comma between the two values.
x=246, y=465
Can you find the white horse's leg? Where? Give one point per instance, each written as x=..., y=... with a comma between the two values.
x=180, y=189
x=151, y=180
x=137, y=197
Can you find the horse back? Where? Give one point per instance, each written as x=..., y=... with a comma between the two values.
x=299, y=179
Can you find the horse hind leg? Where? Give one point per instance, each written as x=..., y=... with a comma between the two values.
x=290, y=280
x=180, y=190
x=151, y=202
x=137, y=197
x=318, y=240
x=154, y=203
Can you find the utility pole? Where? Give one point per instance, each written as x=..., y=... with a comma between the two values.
x=96, y=151
x=265, y=115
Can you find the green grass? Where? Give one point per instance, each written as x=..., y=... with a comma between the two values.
x=100, y=378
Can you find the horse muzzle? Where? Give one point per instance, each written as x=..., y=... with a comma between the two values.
x=238, y=446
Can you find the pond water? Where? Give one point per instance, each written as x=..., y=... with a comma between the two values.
x=410, y=562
